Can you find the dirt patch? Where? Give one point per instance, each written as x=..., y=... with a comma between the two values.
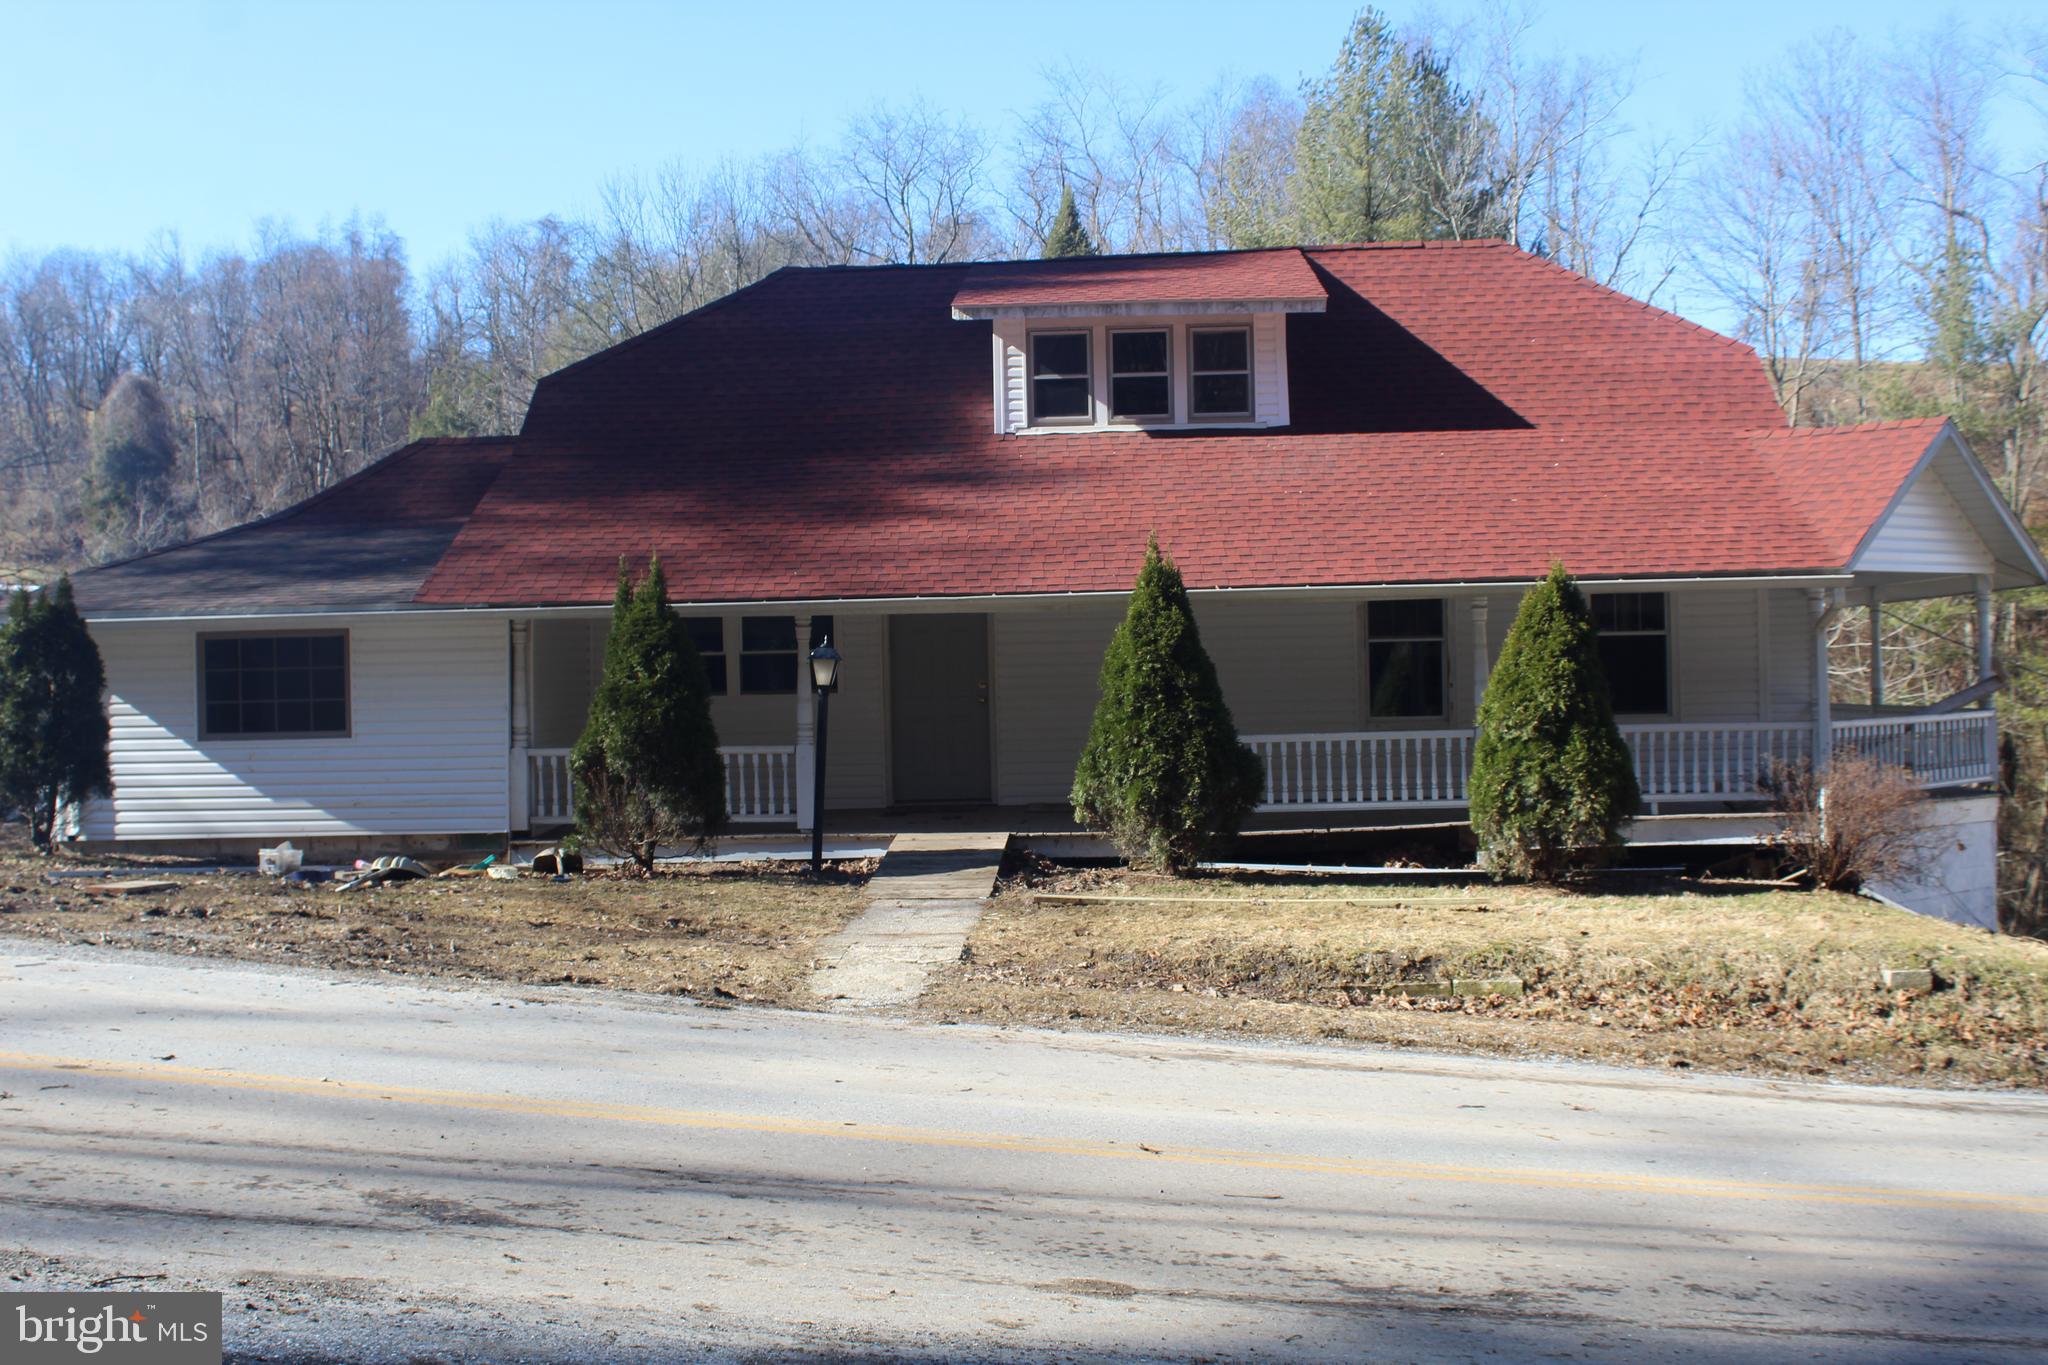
x=1674, y=973
x=744, y=931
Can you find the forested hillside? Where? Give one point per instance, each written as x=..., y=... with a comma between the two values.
x=1858, y=225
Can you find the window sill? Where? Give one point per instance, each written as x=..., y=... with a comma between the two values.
x=1139, y=428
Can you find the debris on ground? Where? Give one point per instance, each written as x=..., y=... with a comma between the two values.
x=137, y=887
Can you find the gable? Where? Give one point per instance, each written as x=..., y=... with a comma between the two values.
x=1926, y=532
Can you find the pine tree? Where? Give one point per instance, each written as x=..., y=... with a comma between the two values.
x=53, y=727
x=647, y=768
x=1163, y=771
x=1552, y=781
x=1067, y=237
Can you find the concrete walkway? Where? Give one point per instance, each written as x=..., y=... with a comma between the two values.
x=922, y=903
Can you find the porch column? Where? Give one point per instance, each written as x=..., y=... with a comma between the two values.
x=518, y=813
x=1876, y=648
x=1482, y=663
x=1985, y=665
x=806, y=720
x=1824, y=604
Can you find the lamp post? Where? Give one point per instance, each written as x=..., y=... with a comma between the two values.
x=824, y=681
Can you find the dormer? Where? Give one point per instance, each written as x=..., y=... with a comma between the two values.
x=1137, y=343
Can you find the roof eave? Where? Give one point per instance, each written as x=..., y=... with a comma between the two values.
x=984, y=312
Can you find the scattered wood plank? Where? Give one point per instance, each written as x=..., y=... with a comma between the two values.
x=1431, y=902
x=136, y=887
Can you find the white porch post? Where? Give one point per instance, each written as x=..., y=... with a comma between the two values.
x=1482, y=663
x=806, y=736
x=1984, y=660
x=518, y=813
x=1876, y=648
x=1824, y=603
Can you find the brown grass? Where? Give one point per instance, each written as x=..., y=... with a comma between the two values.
x=745, y=932
x=1680, y=973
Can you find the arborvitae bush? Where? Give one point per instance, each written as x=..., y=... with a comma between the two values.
x=1066, y=236
x=53, y=727
x=1163, y=771
x=1552, y=780
x=647, y=768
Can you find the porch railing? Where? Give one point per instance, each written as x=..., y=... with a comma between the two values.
x=1430, y=768
x=760, y=784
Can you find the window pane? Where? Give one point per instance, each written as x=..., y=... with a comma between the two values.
x=1229, y=350
x=821, y=627
x=259, y=718
x=1060, y=353
x=329, y=684
x=294, y=684
x=294, y=651
x=1222, y=393
x=330, y=716
x=767, y=632
x=1137, y=352
x=223, y=718
x=768, y=672
x=714, y=673
x=1407, y=616
x=258, y=652
x=1138, y=397
x=221, y=653
x=294, y=717
x=1059, y=398
x=1407, y=677
x=708, y=633
x=259, y=684
x=1638, y=673
x=1628, y=610
x=222, y=685
x=327, y=652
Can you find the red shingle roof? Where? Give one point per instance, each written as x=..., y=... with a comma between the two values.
x=1281, y=274
x=1460, y=413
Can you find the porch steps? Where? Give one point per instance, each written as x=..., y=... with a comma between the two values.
x=923, y=902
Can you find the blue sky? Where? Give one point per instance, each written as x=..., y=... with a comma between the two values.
x=126, y=120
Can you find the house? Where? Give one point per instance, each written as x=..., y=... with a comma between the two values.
x=1359, y=456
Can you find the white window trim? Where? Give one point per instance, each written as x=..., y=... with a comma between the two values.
x=1442, y=638
x=1670, y=711
x=1250, y=373
x=1097, y=402
x=1170, y=374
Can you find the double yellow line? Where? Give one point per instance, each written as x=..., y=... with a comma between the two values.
x=1612, y=1182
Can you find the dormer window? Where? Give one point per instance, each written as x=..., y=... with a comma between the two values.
x=1140, y=379
x=1220, y=365
x=1060, y=384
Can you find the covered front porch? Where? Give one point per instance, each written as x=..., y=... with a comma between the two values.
x=945, y=709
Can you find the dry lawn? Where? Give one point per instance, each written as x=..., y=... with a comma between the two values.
x=1682, y=973
x=745, y=932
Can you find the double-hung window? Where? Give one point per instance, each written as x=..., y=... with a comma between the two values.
x=1220, y=372
x=708, y=634
x=1635, y=650
x=1404, y=658
x=768, y=654
x=1061, y=386
x=282, y=685
x=1140, y=380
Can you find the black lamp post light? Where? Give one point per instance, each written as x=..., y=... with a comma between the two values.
x=824, y=682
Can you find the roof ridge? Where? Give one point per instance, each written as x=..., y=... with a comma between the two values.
x=286, y=513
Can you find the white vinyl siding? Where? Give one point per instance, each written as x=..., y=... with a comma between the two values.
x=1046, y=663
x=1926, y=533
x=1286, y=667
x=428, y=752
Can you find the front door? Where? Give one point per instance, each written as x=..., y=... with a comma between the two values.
x=938, y=707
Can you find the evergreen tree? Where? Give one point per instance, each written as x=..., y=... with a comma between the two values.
x=1387, y=146
x=647, y=768
x=1552, y=780
x=1067, y=237
x=1163, y=771
x=53, y=727
x=133, y=452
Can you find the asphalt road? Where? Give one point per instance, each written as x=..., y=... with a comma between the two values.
x=383, y=1171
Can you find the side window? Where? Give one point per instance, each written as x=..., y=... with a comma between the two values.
x=768, y=653
x=291, y=685
x=1140, y=387
x=1220, y=371
x=1404, y=658
x=1635, y=650
x=708, y=634
x=1060, y=377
